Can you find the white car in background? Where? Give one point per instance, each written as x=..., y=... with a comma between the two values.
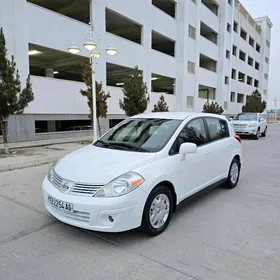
x=137, y=173
x=250, y=124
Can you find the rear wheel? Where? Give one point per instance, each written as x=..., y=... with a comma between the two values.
x=157, y=212
x=233, y=174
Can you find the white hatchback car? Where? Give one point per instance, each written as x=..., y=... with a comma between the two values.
x=137, y=173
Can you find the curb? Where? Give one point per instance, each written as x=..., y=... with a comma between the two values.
x=23, y=165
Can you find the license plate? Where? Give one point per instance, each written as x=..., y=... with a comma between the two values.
x=60, y=204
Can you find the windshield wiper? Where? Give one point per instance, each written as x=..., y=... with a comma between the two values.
x=128, y=146
x=105, y=144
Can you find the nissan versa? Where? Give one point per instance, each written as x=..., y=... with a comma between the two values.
x=137, y=173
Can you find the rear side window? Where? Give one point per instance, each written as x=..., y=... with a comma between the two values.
x=217, y=128
x=193, y=132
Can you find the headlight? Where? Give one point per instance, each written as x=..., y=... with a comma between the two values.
x=51, y=172
x=252, y=125
x=121, y=185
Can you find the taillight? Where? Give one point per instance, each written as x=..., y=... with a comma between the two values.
x=237, y=137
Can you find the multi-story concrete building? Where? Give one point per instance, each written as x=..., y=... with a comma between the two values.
x=190, y=50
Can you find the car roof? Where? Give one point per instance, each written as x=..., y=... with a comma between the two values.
x=175, y=115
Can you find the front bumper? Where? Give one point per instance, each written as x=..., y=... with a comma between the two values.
x=246, y=131
x=114, y=214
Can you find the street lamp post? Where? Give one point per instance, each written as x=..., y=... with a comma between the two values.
x=275, y=101
x=90, y=45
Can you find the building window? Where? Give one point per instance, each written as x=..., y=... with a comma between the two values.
x=242, y=55
x=256, y=83
x=168, y=7
x=233, y=74
x=266, y=76
x=228, y=54
x=194, y=1
x=249, y=80
x=189, y=101
x=250, y=61
x=267, y=43
x=226, y=80
x=192, y=32
x=191, y=67
x=230, y=2
x=228, y=28
x=251, y=41
x=235, y=26
x=234, y=50
x=257, y=65
x=232, y=96
x=243, y=34
x=266, y=59
x=241, y=77
x=240, y=98
x=258, y=47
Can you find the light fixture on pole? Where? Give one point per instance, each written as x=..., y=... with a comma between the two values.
x=90, y=45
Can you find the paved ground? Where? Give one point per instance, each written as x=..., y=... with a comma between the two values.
x=35, y=156
x=224, y=235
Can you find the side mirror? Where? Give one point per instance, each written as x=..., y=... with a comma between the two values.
x=187, y=148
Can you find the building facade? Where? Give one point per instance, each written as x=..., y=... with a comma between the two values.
x=188, y=50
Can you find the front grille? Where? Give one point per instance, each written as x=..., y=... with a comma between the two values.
x=57, y=181
x=78, y=188
x=85, y=189
x=240, y=125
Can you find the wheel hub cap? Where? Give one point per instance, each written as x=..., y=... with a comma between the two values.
x=159, y=211
x=234, y=173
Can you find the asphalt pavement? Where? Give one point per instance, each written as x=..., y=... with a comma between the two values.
x=222, y=235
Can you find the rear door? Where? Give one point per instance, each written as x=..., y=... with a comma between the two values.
x=221, y=145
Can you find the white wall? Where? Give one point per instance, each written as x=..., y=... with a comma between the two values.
x=54, y=96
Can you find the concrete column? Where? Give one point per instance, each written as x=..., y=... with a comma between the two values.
x=49, y=72
x=14, y=22
x=51, y=126
x=181, y=56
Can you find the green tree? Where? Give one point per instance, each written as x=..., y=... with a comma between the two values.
x=254, y=103
x=13, y=100
x=135, y=100
x=213, y=108
x=161, y=105
x=101, y=96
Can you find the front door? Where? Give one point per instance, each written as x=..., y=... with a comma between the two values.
x=194, y=171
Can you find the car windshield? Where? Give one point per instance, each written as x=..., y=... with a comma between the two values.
x=142, y=135
x=246, y=117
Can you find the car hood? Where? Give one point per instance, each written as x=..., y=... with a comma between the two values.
x=96, y=165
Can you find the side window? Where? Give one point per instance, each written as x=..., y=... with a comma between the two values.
x=262, y=118
x=193, y=132
x=218, y=129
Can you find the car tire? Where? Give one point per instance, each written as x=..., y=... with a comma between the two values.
x=156, y=217
x=264, y=133
x=233, y=174
x=257, y=136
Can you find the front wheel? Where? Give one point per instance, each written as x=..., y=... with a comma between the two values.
x=233, y=174
x=257, y=136
x=157, y=212
x=264, y=133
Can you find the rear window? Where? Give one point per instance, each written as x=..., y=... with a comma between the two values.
x=218, y=129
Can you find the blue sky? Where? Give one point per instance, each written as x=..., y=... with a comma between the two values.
x=258, y=8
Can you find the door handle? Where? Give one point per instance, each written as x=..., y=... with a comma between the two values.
x=229, y=145
x=208, y=152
